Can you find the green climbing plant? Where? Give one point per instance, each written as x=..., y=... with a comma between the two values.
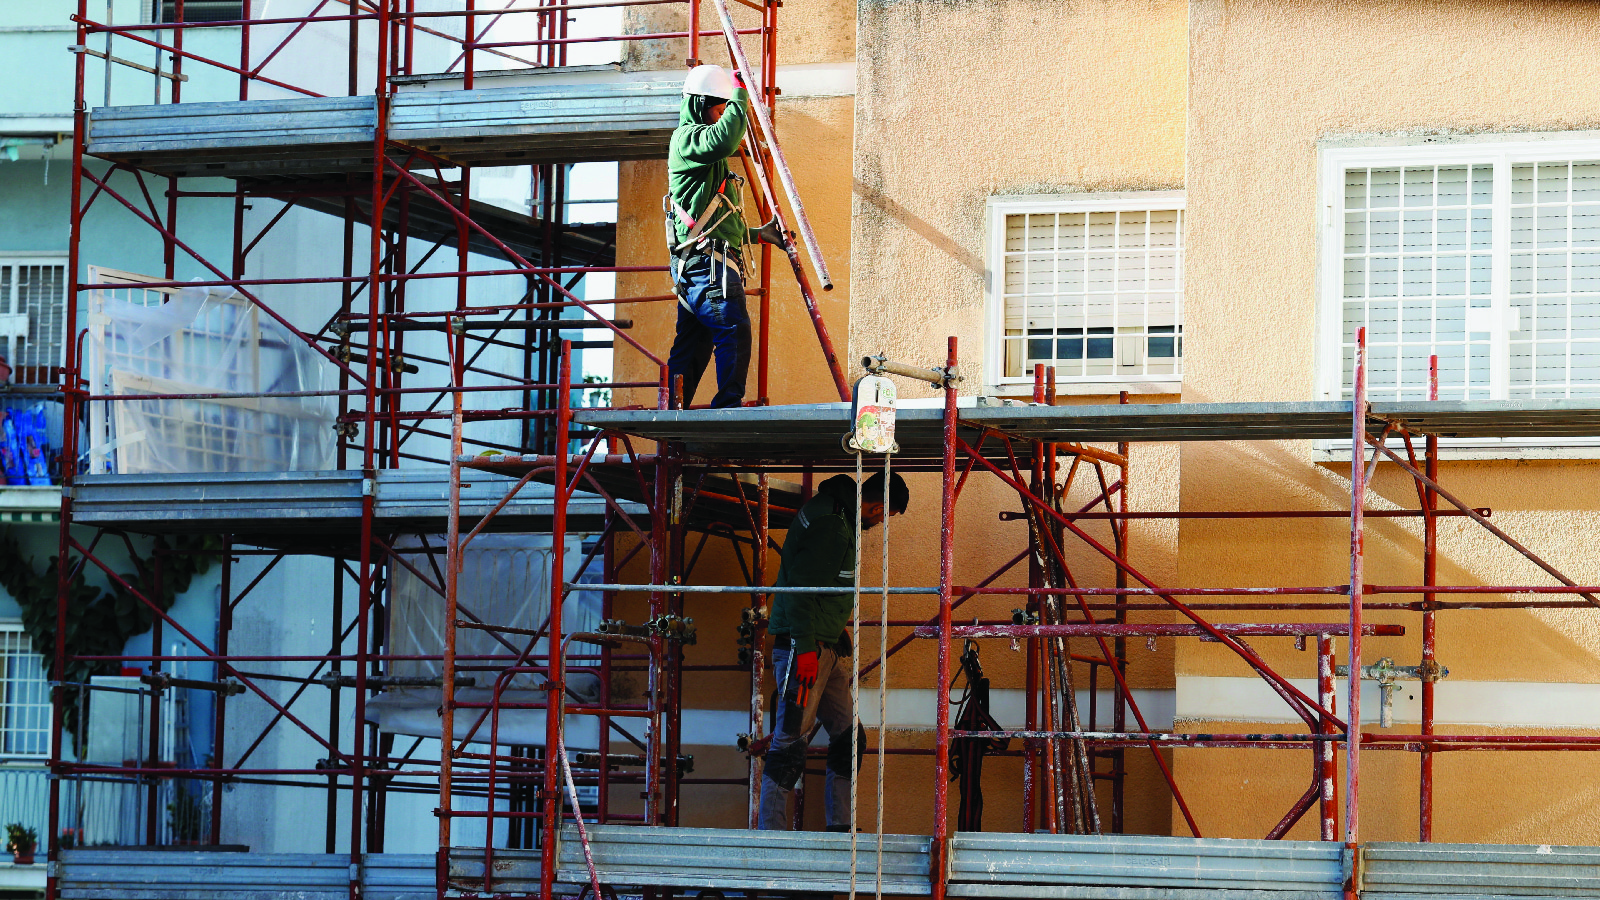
x=98, y=623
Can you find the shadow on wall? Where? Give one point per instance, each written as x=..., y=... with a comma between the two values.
x=1274, y=476
x=906, y=217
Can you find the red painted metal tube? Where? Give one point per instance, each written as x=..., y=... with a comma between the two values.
x=1294, y=739
x=1261, y=514
x=408, y=276
x=1338, y=589
x=467, y=222
x=202, y=650
x=1327, y=770
x=1112, y=629
x=1293, y=695
x=244, y=74
x=1431, y=589
x=1507, y=539
x=1358, y=492
x=1430, y=572
x=556, y=679
x=966, y=594
x=947, y=509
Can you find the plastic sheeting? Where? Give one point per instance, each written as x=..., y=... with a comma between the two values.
x=200, y=341
x=505, y=580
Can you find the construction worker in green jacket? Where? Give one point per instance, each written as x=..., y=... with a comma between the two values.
x=706, y=235
x=811, y=643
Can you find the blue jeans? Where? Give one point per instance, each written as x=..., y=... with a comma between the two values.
x=712, y=319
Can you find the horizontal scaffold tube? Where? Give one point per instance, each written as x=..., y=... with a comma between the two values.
x=1110, y=629
x=742, y=589
x=1159, y=737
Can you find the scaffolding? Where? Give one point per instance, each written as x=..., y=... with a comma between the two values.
x=651, y=487
x=394, y=156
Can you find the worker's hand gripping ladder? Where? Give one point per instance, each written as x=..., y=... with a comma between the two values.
x=766, y=141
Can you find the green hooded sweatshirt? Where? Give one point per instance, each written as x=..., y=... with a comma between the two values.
x=697, y=162
x=818, y=552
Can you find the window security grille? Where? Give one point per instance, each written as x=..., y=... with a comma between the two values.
x=24, y=697
x=1492, y=265
x=1097, y=294
x=204, y=10
x=1555, y=280
x=33, y=315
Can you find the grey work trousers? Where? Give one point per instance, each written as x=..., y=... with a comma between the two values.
x=829, y=703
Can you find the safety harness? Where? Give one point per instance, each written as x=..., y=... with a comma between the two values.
x=721, y=206
x=697, y=241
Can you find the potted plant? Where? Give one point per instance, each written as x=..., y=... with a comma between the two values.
x=21, y=841
x=184, y=818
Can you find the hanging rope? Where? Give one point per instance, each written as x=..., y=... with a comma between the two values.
x=560, y=711
x=883, y=666
x=855, y=678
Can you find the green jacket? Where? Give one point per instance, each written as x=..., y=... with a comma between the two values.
x=819, y=552
x=697, y=163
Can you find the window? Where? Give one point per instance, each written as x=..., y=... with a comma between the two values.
x=168, y=341
x=1092, y=287
x=199, y=10
x=33, y=315
x=1486, y=255
x=24, y=697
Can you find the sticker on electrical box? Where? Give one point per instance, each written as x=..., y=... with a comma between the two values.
x=872, y=416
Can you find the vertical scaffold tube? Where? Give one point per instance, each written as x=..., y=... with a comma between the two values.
x=555, y=682
x=1328, y=769
x=947, y=508
x=1358, y=491
x=1430, y=576
x=70, y=395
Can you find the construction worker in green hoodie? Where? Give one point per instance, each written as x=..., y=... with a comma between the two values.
x=706, y=234
x=812, y=653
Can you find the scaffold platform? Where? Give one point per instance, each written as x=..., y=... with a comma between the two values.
x=273, y=506
x=523, y=124
x=811, y=435
x=982, y=864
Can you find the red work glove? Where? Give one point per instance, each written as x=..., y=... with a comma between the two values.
x=805, y=675
x=738, y=78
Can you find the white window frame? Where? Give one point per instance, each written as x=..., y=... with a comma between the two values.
x=998, y=208
x=13, y=627
x=1502, y=154
x=8, y=299
x=1501, y=151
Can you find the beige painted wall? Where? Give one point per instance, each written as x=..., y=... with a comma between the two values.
x=1268, y=81
x=960, y=102
x=956, y=103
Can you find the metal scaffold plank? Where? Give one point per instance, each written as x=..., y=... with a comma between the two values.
x=1033, y=865
x=812, y=432
x=719, y=858
x=1405, y=871
x=514, y=125
x=308, y=502
x=158, y=874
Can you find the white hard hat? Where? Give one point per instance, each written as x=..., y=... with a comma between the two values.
x=709, y=81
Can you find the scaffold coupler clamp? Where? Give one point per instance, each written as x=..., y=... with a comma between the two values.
x=1388, y=675
x=673, y=628
x=941, y=376
x=753, y=746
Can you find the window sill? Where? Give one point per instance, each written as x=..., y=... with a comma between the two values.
x=1024, y=389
